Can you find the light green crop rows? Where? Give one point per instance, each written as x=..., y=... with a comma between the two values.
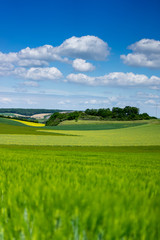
x=79, y=192
x=148, y=134
x=84, y=193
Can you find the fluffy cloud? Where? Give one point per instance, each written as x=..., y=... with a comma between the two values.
x=86, y=47
x=146, y=46
x=43, y=53
x=29, y=57
x=115, y=79
x=8, y=57
x=146, y=53
x=38, y=73
x=81, y=78
x=6, y=68
x=82, y=66
x=31, y=63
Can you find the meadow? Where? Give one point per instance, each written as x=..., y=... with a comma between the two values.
x=103, y=185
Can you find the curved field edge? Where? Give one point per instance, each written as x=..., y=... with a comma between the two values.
x=8, y=126
x=80, y=125
x=15, y=122
x=145, y=135
x=6, y=129
x=10, y=122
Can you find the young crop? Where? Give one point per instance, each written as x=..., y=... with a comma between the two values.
x=143, y=135
x=63, y=185
x=79, y=193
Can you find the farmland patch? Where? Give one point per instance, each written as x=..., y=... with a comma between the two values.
x=63, y=192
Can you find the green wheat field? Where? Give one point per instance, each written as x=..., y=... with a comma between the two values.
x=80, y=181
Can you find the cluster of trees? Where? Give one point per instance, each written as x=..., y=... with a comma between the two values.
x=127, y=113
x=57, y=117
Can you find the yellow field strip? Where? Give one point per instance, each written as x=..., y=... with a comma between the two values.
x=32, y=124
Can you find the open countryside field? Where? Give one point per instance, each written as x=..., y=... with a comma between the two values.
x=116, y=134
x=80, y=184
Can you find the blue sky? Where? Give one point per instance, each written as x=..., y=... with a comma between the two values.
x=80, y=54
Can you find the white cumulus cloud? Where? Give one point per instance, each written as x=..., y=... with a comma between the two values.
x=8, y=57
x=85, y=47
x=82, y=66
x=51, y=73
x=114, y=79
x=45, y=53
x=32, y=63
x=81, y=78
x=146, y=53
x=6, y=68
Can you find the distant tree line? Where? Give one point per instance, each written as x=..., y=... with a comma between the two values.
x=27, y=112
x=117, y=113
x=121, y=114
x=28, y=119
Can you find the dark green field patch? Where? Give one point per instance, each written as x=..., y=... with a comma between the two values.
x=99, y=126
x=24, y=130
x=10, y=122
x=115, y=149
x=8, y=126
